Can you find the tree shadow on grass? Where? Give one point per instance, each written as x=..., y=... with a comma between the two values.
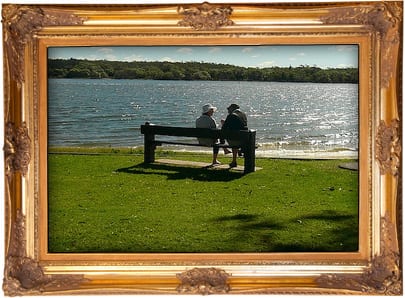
x=262, y=232
x=176, y=172
x=344, y=237
x=238, y=217
x=244, y=231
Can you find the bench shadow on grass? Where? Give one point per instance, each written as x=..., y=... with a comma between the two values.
x=262, y=231
x=177, y=172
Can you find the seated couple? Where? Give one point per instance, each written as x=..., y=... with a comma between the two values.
x=236, y=120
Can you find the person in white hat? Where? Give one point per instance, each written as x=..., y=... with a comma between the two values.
x=207, y=121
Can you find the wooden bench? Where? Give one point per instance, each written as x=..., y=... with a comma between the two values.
x=247, y=139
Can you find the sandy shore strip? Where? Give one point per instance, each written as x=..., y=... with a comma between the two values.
x=287, y=154
x=260, y=153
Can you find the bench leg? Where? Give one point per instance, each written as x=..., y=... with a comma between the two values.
x=250, y=154
x=249, y=160
x=149, y=148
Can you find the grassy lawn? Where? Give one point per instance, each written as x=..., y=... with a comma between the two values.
x=112, y=202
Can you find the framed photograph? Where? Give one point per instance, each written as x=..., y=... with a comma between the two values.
x=86, y=214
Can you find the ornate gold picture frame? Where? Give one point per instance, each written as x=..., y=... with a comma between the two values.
x=29, y=30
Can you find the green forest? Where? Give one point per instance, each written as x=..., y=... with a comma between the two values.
x=103, y=69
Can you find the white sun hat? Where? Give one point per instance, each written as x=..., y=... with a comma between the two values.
x=208, y=107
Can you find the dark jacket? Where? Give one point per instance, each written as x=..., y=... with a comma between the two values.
x=237, y=120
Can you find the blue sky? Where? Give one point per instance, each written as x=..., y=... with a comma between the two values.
x=324, y=56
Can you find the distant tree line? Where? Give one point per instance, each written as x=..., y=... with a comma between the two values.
x=100, y=69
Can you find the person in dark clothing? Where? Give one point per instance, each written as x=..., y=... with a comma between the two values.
x=236, y=120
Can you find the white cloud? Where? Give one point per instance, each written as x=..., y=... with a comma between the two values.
x=134, y=57
x=105, y=51
x=345, y=48
x=186, y=51
x=96, y=57
x=267, y=64
x=111, y=57
x=344, y=65
x=247, y=50
x=214, y=50
x=301, y=54
x=166, y=59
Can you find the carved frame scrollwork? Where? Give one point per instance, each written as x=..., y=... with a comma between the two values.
x=383, y=274
x=388, y=147
x=205, y=16
x=17, y=149
x=20, y=23
x=25, y=25
x=24, y=275
x=203, y=281
x=384, y=18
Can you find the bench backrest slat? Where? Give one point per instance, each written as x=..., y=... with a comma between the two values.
x=194, y=132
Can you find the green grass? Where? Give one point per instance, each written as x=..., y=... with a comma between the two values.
x=112, y=202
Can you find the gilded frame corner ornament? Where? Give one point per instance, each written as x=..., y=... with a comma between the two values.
x=383, y=274
x=20, y=23
x=385, y=18
x=23, y=275
x=24, y=26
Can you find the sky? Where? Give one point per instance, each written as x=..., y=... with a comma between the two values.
x=323, y=56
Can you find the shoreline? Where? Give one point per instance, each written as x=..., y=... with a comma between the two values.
x=290, y=154
x=268, y=153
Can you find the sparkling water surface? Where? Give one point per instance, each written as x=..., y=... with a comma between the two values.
x=288, y=117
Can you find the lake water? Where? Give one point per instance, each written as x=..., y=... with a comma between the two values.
x=291, y=119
